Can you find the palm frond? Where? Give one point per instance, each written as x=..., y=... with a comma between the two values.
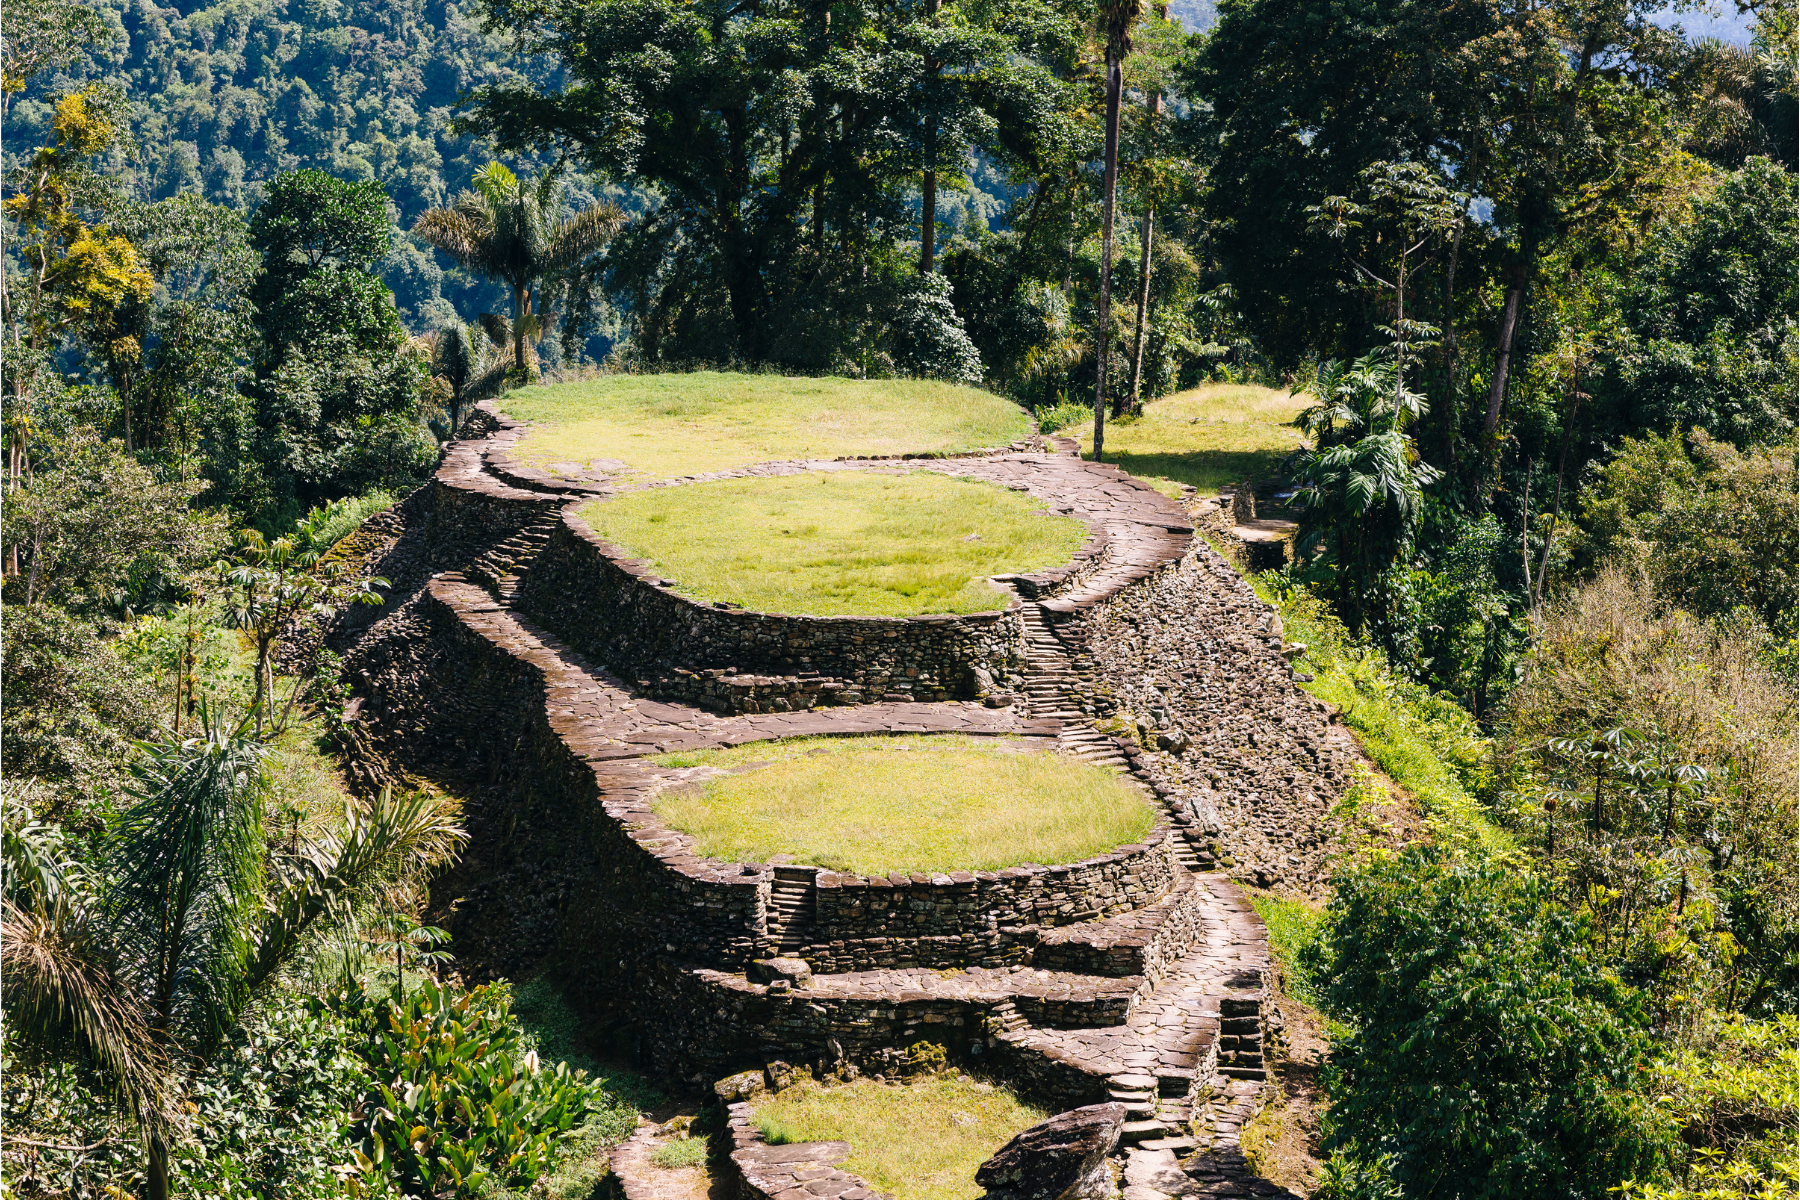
x=63, y=998
x=581, y=235
x=391, y=842
x=458, y=233
x=185, y=867
x=497, y=328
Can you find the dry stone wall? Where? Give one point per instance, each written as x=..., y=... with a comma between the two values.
x=618, y=610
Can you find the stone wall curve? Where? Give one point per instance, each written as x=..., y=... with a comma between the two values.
x=619, y=610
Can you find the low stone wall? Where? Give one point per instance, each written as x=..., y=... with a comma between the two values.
x=971, y=903
x=441, y=695
x=801, y=1169
x=618, y=610
x=1142, y=942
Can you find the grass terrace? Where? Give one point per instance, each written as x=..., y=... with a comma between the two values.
x=1215, y=434
x=921, y=1141
x=663, y=426
x=839, y=543
x=877, y=805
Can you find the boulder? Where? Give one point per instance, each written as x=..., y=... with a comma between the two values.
x=1062, y=1159
x=793, y=970
x=745, y=1085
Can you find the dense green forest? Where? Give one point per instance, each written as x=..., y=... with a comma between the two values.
x=1533, y=269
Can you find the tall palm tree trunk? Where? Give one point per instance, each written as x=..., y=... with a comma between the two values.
x=1115, y=84
x=518, y=326
x=928, y=196
x=1154, y=104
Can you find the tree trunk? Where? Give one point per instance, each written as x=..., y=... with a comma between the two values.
x=1143, y=298
x=928, y=218
x=928, y=196
x=1509, y=320
x=1562, y=463
x=157, y=1175
x=518, y=328
x=1525, y=528
x=1115, y=82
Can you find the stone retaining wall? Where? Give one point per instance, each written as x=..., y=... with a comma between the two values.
x=1142, y=942
x=968, y=903
x=618, y=610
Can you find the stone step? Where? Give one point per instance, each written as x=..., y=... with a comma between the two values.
x=1136, y=1132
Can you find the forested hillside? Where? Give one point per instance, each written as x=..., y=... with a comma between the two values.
x=1491, y=307
x=227, y=96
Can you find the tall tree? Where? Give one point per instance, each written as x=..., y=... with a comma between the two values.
x=1116, y=18
x=507, y=230
x=1548, y=111
x=783, y=139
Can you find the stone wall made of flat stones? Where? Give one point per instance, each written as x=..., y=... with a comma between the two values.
x=618, y=610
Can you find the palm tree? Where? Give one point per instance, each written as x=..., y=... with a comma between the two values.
x=144, y=972
x=506, y=230
x=460, y=357
x=1118, y=16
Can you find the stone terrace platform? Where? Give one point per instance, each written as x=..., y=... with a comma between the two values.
x=1131, y=976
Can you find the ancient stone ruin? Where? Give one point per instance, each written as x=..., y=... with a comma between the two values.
x=534, y=669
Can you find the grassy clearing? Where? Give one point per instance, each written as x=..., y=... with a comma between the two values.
x=876, y=805
x=839, y=543
x=921, y=1141
x=1215, y=434
x=669, y=425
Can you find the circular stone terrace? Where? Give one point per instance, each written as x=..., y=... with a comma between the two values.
x=1120, y=972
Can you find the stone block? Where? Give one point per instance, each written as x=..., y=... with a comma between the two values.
x=740, y=1088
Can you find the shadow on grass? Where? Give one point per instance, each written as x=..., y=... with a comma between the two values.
x=1207, y=470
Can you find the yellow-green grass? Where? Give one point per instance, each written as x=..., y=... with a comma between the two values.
x=669, y=425
x=921, y=1141
x=839, y=543
x=877, y=805
x=1212, y=435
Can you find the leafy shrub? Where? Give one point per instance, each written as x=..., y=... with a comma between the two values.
x=1492, y=1053
x=328, y=524
x=1711, y=527
x=455, y=1100
x=927, y=337
x=273, y=1110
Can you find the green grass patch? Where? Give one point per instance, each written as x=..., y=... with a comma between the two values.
x=1293, y=925
x=1426, y=743
x=837, y=543
x=1210, y=436
x=921, y=1141
x=680, y=424
x=876, y=805
x=683, y=1152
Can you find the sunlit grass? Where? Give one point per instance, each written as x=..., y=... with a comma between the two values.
x=1213, y=435
x=840, y=542
x=921, y=1141
x=876, y=805
x=682, y=424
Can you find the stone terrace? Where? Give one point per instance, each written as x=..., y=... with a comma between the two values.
x=1129, y=976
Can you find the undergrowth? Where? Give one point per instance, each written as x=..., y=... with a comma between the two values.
x=1426, y=743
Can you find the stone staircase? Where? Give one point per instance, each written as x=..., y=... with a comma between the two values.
x=791, y=907
x=499, y=566
x=1054, y=684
